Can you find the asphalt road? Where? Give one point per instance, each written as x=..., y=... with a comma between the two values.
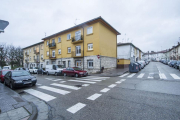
x=151, y=94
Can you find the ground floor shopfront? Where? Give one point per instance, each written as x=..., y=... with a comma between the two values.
x=32, y=64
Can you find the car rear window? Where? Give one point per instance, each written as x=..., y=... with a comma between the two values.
x=20, y=73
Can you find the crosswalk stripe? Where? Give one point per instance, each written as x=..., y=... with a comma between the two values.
x=112, y=85
x=124, y=75
x=62, y=82
x=49, y=78
x=40, y=95
x=118, y=82
x=94, y=97
x=162, y=76
x=57, y=80
x=131, y=75
x=122, y=80
x=175, y=76
x=91, y=80
x=66, y=86
x=151, y=75
x=141, y=75
x=76, y=107
x=85, y=85
x=105, y=90
x=38, y=84
x=63, y=92
x=82, y=81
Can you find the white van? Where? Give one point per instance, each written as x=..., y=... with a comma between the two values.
x=7, y=68
x=54, y=69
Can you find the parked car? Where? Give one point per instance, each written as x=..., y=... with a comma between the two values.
x=26, y=69
x=15, y=79
x=2, y=74
x=6, y=67
x=176, y=65
x=41, y=71
x=33, y=69
x=142, y=64
x=172, y=63
x=54, y=69
x=139, y=66
x=74, y=71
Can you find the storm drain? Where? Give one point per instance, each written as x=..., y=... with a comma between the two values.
x=78, y=85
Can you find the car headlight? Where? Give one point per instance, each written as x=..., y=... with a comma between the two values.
x=34, y=79
x=18, y=81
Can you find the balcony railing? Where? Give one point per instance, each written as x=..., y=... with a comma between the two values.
x=52, y=56
x=36, y=51
x=36, y=60
x=52, y=45
x=75, y=54
x=26, y=53
x=77, y=39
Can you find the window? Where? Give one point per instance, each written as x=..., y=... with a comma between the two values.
x=53, y=41
x=47, y=62
x=30, y=58
x=68, y=36
x=89, y=30
x=53, y=53
x=47, y=53
x=41, y=56
x=30, y=50
x=47, y=43
x=59, y=39
x=41, y=47
x=59, y=51
x=34, y=57
x=90, y=63
x=69, y=50
x=59, y=62
x=90, y=46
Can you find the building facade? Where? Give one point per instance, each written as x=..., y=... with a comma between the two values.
x=79, y=46
x=126, y=53
x=34, y=55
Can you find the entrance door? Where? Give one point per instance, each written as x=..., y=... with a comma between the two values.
x=78, y=35
x=64, y=63
x=53, y=53
x=78, y=63
x=78, y=50
x=69, y=63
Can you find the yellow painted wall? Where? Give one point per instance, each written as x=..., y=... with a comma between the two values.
x=108, y=42
x=123, y=61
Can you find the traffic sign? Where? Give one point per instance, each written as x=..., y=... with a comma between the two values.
x=98, y=56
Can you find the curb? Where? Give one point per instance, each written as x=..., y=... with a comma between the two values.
x=34, y=112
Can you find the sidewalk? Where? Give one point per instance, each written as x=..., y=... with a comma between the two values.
x=14, y=107
x=111, y=73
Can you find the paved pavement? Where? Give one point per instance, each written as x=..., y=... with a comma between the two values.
x=153, y=93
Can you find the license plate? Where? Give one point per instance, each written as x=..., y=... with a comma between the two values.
x=27, y=82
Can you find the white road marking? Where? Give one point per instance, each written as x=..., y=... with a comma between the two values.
x=112, y=85
x=122, y=80
x=162, y=76
x=118, y=82
x=141, y=75
x=91, y=80
x=62, y=82
x=93, y=97
x=76, y=107
x=66, y=86
x=49, y=78
x=124, y=75
x=131, y=75
x=57, y=80
x=63, y=92
x=85, y=85
x=175, y=76
x=40, y=95
x=82, y=81
x=105, y=90
x=151, y=75
x=38, y=84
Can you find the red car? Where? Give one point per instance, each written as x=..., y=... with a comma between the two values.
x=2, y=74
x=74, y=71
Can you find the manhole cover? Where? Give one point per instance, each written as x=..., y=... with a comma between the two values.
x=78, y=85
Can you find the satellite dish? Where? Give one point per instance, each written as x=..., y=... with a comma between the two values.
x=3, y=25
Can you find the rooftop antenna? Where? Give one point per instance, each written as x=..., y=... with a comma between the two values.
x=75, y=21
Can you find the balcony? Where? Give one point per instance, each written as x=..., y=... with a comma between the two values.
x=26, y=53
x=77, y=39
x=36, y=60
x=75, y=55
x=52, y=57
x=36, y=51
x=52, y=45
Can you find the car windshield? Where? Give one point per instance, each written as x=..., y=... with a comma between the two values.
x=20, y=73
x=4, y=72
x=76, y=68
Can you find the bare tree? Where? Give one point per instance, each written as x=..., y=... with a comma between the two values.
x=3, y=54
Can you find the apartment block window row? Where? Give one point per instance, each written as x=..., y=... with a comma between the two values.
x=90, y=46
x=59, y=51
x=90, y=63
x=47, y=53
x=90, y=30
x=69, y=50
x=68, y=36
x=59, y=39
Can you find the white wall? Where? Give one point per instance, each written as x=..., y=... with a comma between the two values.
x=123, y=52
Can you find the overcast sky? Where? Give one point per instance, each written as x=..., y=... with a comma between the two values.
x=149, y=24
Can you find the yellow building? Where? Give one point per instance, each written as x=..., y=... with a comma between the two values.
x=79, y=46
x=33, y=55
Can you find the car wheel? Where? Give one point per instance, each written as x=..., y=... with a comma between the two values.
x=55, y=74
x=76, y=75
x=11, y=86
x=47, y=73
x=65, y=74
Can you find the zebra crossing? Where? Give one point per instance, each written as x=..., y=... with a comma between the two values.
x=61, y=86
x=151, y=75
